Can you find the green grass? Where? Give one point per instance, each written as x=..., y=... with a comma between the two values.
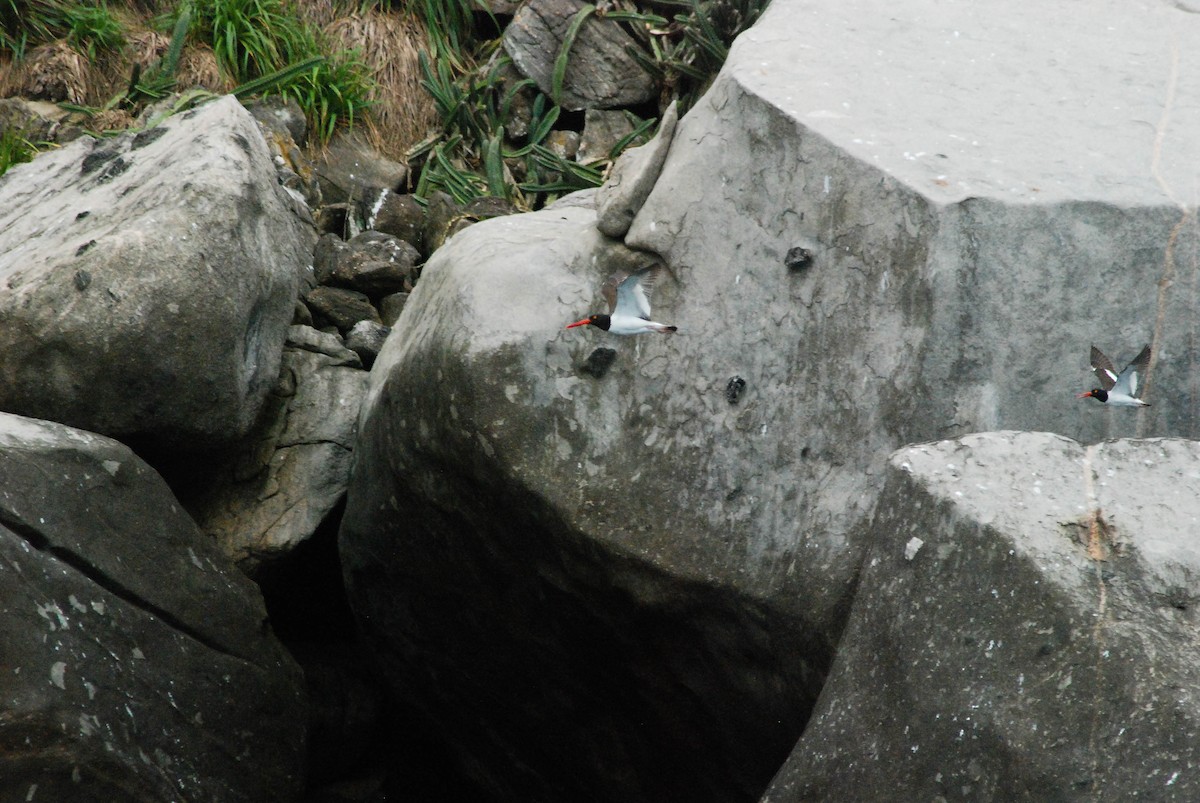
x=15, y=148
x=262, y=42
x=90, y=27
x=471, y=156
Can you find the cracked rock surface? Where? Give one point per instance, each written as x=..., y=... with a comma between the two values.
x=137, y=659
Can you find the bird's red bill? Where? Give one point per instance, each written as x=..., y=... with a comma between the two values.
x=579, y=323
x=1083, y=395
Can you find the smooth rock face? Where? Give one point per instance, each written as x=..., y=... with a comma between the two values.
x=349, y=169
x=600, y=72
x=1025, y=629
x=147, y=281
x=569, y=649
x=138, y=663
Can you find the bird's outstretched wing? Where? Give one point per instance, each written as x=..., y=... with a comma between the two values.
x=1104, y=369
x=1130, y=380
x=627, y=293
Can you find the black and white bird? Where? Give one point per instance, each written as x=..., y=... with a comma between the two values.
x=1118, y=390
x=628, y=304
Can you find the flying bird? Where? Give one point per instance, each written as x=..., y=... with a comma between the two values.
x=1118, y=390
x=628, y=304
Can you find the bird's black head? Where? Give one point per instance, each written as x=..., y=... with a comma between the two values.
x=602, y=321
x=1097, y=394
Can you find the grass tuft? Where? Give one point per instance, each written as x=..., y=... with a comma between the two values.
x=16, y=148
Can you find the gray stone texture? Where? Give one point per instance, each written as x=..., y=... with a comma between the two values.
x=293, y=469
x=349, y=169
x=147, y=281
x=137, y=661
x=1025, y=629
x=633, y=176
x=529, y=546
x=600, y=72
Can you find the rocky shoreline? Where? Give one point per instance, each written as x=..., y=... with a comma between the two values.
x=317, y=499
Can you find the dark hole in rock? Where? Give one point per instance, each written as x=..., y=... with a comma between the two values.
x=734, y=388
x=82, y=280
x=84, y=247
x=798, y=258
x=598, y=362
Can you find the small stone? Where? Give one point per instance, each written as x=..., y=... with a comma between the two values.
x=376, y=264
x=390, y=308
x=600, y=73
x=330, y=249
x=366, y=339
x=392, y=213
x=343, y=308
x=602, y=130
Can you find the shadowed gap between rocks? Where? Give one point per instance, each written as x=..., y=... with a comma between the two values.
x=543, y=658
x=362, y=746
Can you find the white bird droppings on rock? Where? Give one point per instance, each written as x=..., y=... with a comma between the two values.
x=58, y=674
x=913, y=547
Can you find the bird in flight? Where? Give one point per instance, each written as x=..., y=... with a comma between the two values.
x=1118, y=390
x=628, y=304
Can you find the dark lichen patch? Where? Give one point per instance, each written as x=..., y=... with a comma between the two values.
x=82, y=215
x=242, y=143
x=598, y=362
x=98, y=158
x=83, y=248
x=83, y=279
x=115, y=168
x=144, y=138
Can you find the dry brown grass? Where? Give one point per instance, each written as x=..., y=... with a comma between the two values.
x=54, y=72
x=198, y=66
x=403, y=112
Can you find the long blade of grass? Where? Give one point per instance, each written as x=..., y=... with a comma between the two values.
x=564, y=52
x=278, y=78
x=493, y=164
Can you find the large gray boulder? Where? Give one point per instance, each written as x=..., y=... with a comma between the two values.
x=671, y=547
x=281, y=483
x=147, y=281
x=138, y=662
x=520, y=571
x=1025, y=630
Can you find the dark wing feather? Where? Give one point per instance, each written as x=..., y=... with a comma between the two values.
x=609, y=289
x=1104, y=369
x=1132, y=375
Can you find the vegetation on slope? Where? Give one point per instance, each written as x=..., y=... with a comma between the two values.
x=427, y=78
